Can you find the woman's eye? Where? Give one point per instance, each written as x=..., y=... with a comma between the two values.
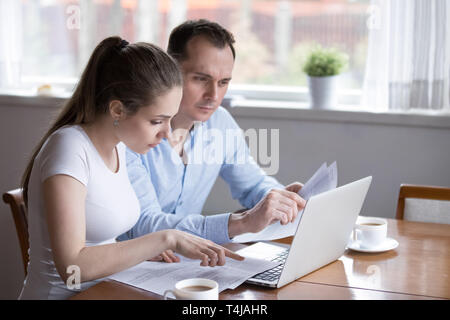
x=155, y=122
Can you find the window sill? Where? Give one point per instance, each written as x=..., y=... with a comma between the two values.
x=282, y=110
x=301, y=111
x=24, y=99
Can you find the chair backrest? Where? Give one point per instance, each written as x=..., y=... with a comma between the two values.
x=424, y=203
x=15, y=200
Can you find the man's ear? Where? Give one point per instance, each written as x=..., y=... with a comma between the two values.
x=116, y=110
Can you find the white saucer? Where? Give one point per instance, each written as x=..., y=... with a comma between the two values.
x=389, y=244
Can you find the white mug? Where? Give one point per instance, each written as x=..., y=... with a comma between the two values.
x=195, y=289
x=371, y=232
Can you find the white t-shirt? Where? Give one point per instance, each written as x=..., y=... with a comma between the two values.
x=111, y=206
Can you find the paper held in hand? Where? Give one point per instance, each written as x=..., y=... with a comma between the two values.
x=324, y=179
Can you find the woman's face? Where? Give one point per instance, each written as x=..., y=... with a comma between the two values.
x=150, y=124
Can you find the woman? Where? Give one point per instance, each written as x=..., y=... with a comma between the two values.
x=76, y=185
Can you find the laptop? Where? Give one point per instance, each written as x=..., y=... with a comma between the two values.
x=321, y=237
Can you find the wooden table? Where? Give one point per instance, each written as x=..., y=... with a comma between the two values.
x=417, y=269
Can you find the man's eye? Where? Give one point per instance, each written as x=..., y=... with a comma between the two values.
x=155, y=122
x=200, y=78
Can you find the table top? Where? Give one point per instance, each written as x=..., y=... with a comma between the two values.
x=417, y=269
x=420, y=265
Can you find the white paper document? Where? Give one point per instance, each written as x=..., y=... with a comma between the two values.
x=324, y=179
x=159, y=276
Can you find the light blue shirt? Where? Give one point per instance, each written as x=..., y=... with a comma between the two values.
x=172, y=194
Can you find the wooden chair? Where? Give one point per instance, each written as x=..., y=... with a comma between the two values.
x=430, y=210
x=15, y=200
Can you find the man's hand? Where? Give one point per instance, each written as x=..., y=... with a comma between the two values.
x=294, y=187
x=277, y=205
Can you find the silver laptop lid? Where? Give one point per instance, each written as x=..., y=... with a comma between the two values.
x=324, y=229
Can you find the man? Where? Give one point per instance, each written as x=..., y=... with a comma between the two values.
x=171, y=183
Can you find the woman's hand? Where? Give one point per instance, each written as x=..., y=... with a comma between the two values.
x=166, y=256
x=193, y=247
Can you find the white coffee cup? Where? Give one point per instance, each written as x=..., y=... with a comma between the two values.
x=195, y=289
x=371, y=232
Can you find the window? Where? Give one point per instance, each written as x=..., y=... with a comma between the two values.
x=56, y=37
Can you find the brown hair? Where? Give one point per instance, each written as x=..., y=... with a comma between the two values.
x=134, y=74
x=214, y=32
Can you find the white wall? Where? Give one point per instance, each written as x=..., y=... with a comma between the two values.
x=393, y=148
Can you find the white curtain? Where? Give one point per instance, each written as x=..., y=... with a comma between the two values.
x=408, y=63
x=10, y=43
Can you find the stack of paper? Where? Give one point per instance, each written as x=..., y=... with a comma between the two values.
x=324, y=179
x=159, y=276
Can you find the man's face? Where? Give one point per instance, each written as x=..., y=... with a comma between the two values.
x=207, y=73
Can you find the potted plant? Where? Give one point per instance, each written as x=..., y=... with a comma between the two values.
x=323, y=66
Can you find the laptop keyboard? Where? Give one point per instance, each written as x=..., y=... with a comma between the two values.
x=274, y=273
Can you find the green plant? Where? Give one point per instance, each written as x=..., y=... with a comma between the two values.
x=322, y=62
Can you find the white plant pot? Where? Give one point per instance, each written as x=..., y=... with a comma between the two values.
x=323, y=92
